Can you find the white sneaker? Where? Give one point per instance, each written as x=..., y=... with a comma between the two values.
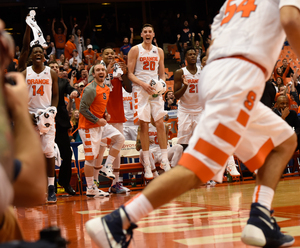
x=107, y=171
x=211, y=183
x=231, y=169
x=148, y=173
x=165, y=166
x=95, y=192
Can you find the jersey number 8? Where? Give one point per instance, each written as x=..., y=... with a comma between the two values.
x=246, y=7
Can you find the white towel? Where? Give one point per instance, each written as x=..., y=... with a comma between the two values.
x=38, y=37
x=45, y=118
x=117, y=73
x=57, y=156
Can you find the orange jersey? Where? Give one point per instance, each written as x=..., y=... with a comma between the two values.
x=69, y=47
x=89, y=54
x=60, y=41
x=93, y=103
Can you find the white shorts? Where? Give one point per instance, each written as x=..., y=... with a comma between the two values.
x=187, y=122
x=48, y=142
x=92, y=137
x=233, y=121
x=146, y=105
x=130, y=132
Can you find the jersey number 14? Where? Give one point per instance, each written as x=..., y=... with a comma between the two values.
x=246, y=7
x=40, y=90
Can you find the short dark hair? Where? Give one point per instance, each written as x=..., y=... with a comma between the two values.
x=188, y=49
x=202, y=56
x=147, y=25
x=34, y=46
x=108, y=47
x=166, y=93
x=281, y=79
x=70, y=36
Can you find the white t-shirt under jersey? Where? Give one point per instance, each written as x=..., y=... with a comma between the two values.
x=189, y=101
x=147, y=63
x=40, y=89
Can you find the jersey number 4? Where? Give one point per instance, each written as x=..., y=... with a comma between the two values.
x=40, y=90
x=246, y=7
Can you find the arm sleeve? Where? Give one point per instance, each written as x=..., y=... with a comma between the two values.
x=87, y=99
x=295, y=3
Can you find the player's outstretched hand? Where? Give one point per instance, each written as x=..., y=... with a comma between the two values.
x=107, y=116
x=184, y=80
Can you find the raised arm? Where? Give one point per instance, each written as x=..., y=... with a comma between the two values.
x=131, y=36
x=65, y=27
x=53, y=29
x=25, y=50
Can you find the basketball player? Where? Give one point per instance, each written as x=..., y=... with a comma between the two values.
x=129, y=130
x=93, y=128
x=146, y=62
x=43, y=93
x=174, y=152
x=186, y=83
x=247, y=39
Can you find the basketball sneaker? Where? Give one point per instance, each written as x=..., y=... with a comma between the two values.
x=232, y=170
x=107, y=171
x=147, y=172
x=112, y=230
x=95, y=192
x=127, y=190
x=51, y=194
x=165, y=166
x=117, y=189
x=262, y=230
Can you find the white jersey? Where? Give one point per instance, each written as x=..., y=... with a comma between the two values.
x=40, y=89
x=127, y=103
x=255, y=17
x=146, y=67
x=189, y=101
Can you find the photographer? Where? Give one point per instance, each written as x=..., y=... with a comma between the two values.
x=25, y=191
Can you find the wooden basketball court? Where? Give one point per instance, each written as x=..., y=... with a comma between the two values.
x=208, y=217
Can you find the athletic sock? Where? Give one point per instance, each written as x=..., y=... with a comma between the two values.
x=51, y=181
x=263, y=195
x=96, y=174
x=117, y=177
x=110, y=159
x=138, y=207
x=89, y=181
x=164, y=155
x=146, y=157
x=155, y=174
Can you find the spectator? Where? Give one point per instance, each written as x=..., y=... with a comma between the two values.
x=197, y=44
x=170, y=101
x=62, y=122
x=83, y=77
x=290, y=116
x=17, y=52
x=61, y=60
x=70, y=47
x=74, y=137
x=185, y=32
x=181, y=49
x=75, y=60
x=285, y=66
x=269, y=94
x=124, y=50
x=79, y=40
x=59, y=37
x=89, y=55
x=282, y=72
x=48, y=42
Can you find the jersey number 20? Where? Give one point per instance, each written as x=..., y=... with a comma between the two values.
x=246, y=7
